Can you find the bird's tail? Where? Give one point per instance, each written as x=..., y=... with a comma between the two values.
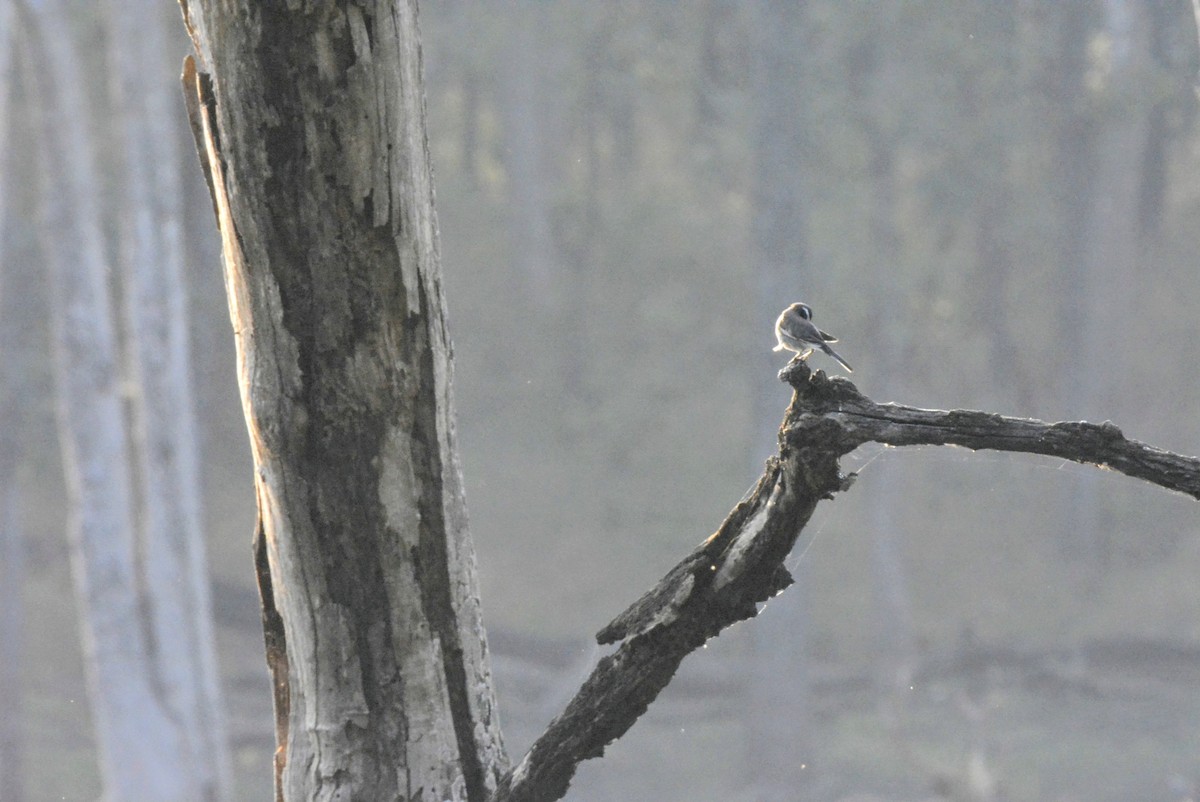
x=833, y=354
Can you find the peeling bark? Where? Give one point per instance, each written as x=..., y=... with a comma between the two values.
x=311, y=123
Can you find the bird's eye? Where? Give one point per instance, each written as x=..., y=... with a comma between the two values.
x=804, y=311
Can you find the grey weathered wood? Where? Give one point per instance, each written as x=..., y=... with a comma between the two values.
x=311, y=122
x=724, y=578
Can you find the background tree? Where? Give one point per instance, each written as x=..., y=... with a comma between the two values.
x=12, y=545
x=570, y=526
x=365, y=566
x=149, y=201
x=143, y=751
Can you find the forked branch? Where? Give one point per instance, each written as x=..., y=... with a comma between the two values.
x=724, y=578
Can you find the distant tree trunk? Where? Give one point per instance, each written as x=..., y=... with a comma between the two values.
x=13, y=400
x=719, y=88
x=12, y=638
x=994, y=268
x=526, y=159
x=1073, y=159
x=890, y=330
x=777, y=711
x=312, y=130
x=142, y=753
x=171, y=537
x=1110, y=251
x=530, y=137
x=1169, y=36
x=610, y=94
x=1099, y=289
x=14, y=395
x=472, y=141
x=896, y=641
x=7, y=77
x=994, y=230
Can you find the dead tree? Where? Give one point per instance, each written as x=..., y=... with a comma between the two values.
x=726, y=577
x=310, y=124
x=311, y=128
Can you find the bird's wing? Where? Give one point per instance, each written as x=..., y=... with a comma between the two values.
x=827, y=337
x=802, y=331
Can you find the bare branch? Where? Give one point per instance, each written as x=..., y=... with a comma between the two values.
x=725, y=577
x=1103, y=444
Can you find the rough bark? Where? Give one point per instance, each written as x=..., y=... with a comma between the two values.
x=311, y=123
x=142, y=756
x=172, y=564
x=725, y=577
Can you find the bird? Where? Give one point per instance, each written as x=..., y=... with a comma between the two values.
x=795, y=331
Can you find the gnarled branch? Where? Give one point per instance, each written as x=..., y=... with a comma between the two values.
x=724, y=578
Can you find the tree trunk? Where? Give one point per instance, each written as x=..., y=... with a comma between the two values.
x=142, y=756
x=172, y=562
x=312, y=132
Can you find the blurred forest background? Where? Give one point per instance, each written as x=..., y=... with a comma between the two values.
x=993, y=204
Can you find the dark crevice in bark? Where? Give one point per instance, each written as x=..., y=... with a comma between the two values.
x=342, y=449
x=201, y=104
x=437, y=594
x=338, y=437
x=276, y=650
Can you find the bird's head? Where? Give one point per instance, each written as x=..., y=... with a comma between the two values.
x=802, y=310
